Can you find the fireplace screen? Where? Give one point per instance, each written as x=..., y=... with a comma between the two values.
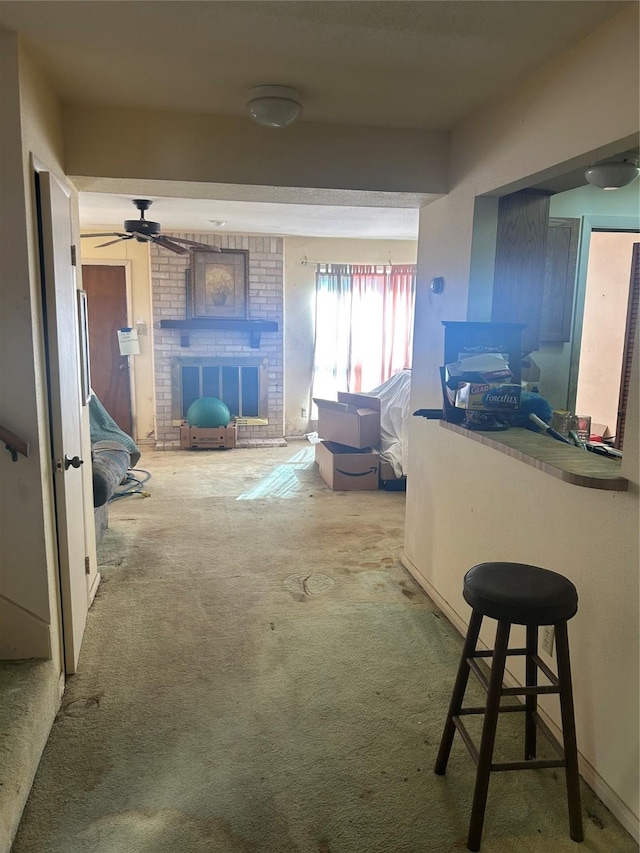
x=241, y=386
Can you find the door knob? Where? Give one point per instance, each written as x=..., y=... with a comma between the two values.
x=74, y=462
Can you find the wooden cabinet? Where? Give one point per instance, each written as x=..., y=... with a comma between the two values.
x=561, y=257
x=535, y=268
x=519, y=273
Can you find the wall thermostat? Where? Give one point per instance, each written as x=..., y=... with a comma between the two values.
x=437, y=285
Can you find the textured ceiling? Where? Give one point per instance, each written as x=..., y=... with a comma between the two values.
x=417, y=64
x=251, y=217
x=400, y=64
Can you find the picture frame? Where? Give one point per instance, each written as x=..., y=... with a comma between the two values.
x=83, y=337
x=218, y=285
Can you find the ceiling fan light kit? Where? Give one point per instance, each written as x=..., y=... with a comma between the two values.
x=274, y=106
x=145, y=231
x=613, y=173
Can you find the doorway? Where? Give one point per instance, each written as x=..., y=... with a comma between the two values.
x=604, y=320
x=108, y=310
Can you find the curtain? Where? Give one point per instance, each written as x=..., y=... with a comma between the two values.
x=332, y=331
x=364, y=326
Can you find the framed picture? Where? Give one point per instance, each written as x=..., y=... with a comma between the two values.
x=217, y=284
x=83, y=334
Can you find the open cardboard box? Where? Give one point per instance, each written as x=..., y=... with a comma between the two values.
x=600, y=432
x=354, y=420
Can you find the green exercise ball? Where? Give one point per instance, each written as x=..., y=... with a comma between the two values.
x=208, y=412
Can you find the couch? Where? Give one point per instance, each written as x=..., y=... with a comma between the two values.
x=110, y=462
x=113, y=452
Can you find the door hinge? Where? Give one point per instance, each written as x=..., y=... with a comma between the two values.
x=87, y=565
x=73, y=256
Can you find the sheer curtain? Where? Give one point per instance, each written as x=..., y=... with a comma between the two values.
x=333, y=331
x=364, y=326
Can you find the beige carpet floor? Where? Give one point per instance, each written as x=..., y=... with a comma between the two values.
x=261, y=675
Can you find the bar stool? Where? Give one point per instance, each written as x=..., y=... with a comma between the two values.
x=514, y=593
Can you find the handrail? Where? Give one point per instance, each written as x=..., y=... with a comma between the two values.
x=13, y=444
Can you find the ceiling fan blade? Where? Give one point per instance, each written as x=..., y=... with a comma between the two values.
x=111, y=242
x=105, y=234
x=167, y=244
x=195, y=243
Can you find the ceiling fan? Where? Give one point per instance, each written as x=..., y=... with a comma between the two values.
x=145, y=231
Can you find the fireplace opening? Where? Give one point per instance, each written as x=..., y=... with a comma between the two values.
x=242, y=386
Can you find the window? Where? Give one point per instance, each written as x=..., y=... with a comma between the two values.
x=364, y=326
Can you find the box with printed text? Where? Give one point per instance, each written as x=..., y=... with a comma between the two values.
x=207, y=438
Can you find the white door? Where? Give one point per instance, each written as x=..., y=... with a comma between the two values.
x=62, y=343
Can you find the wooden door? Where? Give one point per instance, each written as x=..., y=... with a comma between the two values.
x=106, y=288
x=63, y=368
x=561, y=259
x=518, y=281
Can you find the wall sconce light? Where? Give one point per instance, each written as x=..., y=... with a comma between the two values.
x=274, y=106
x=614, y=173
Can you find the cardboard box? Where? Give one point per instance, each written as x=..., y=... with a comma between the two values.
x=353, y=421
x=346, y=468
x=600, y=432
x=388, y=479
x=386, y=470
x=488, y=396
x=209, y=438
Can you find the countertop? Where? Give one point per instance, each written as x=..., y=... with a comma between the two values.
x=564, y=461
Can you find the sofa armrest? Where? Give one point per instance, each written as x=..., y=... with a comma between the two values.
x=110, y=463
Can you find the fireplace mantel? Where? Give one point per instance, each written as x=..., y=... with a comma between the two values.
x=254, y=327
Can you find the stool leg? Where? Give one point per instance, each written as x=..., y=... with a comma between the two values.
x=569, y=732
x=531, y=702
x=488, y=736
x=457, y=696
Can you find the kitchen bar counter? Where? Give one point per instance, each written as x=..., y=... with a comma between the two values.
x=568, y=463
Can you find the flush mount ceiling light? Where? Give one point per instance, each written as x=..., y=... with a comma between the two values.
x=614, y=173
x=274, y=106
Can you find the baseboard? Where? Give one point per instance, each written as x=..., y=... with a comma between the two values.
x=94, y=587
x=588, y=772
x=261, y=442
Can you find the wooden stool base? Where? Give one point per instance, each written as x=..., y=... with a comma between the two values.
x=483, y=756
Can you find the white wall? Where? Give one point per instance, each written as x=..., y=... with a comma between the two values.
x=234, y=150
x=505, y=509
x=299, y=295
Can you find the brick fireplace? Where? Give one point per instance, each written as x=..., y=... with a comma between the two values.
x=248, y=366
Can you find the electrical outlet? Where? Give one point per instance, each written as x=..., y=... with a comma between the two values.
x=548, y=639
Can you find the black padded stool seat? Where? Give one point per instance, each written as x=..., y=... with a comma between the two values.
x=515, y=593
x=521, y=594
